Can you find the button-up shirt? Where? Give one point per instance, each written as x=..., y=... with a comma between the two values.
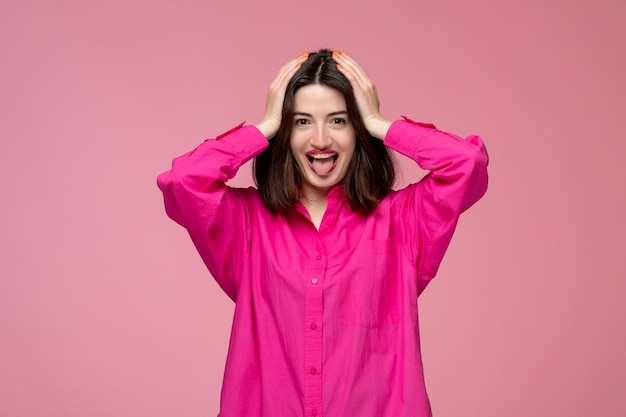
x=326, y=320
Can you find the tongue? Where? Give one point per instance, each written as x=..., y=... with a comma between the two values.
x=323, y=166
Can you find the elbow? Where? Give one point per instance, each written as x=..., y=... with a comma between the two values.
x=174, y=181
x=478, y=152
x=477, y=160
x=169, y=183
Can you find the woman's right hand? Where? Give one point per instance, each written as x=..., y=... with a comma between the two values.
x=276, y=95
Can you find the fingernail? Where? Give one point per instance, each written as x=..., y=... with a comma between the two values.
x=339, y=66
x=304, y=55
x=335, y=54
x=298, y=66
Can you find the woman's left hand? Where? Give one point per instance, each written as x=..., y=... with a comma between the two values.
x=364, y=93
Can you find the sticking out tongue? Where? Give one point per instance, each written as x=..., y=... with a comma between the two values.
x=323, y=166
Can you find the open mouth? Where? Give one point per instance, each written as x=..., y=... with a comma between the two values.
x=322, y=163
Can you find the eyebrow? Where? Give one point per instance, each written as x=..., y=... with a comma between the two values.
x=335, y=113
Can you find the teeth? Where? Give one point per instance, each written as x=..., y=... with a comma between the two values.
x=321, y=155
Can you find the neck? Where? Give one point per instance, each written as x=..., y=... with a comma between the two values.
x=310, y=196
x=315, y=204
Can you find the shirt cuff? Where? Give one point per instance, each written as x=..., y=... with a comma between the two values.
x=404, y=135
x=247, y=141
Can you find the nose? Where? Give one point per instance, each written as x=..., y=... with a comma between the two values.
x=321, y=138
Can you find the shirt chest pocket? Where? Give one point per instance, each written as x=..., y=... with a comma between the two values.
x=370, y=290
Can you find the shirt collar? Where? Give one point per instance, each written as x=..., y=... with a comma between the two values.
x=337, y=192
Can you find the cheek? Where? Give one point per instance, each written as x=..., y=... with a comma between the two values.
x=349, y=143
x=350, y=148
x=349, y=158
x=295, y=150
x=295, y=142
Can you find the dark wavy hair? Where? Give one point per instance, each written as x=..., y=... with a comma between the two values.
x=371, y=173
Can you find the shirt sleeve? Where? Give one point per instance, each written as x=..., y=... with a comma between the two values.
x=216, y=216
x=427, y=212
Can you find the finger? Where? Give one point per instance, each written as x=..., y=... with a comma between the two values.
x=364, y=89
x=352, y=67
x=278, y=86
x=348, y=72
x=289, y=69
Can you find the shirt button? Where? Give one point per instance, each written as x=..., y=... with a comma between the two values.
x=313, y=326
x=314, y=412
x=314, y=281
x=318, y=257
x=313, y=370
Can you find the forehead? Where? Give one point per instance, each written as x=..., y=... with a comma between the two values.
x=318, y=98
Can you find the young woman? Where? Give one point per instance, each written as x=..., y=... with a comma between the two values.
x=324, y=260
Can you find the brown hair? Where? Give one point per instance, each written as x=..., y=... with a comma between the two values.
x=370, y=174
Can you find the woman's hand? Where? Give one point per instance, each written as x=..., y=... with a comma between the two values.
x=276, y=95
x=365, y=95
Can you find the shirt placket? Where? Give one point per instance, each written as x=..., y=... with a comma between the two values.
x=316, y=274
x=313, y=331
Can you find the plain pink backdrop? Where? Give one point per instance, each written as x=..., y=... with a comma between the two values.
x=106, y=309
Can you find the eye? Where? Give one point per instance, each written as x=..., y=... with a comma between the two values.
x=338, y=121
x=301, y=122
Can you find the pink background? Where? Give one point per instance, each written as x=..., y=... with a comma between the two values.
x=106, y=309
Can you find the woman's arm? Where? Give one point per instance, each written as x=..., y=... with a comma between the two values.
x=216, y=217
x=196, y=195
x=430, y=209
x=426, y=213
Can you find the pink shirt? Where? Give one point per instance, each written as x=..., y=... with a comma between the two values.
x=326, y=321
